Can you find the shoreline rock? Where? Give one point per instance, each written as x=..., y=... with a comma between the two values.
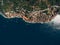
x=39, y=16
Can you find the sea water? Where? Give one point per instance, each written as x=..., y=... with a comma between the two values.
x=15, y=31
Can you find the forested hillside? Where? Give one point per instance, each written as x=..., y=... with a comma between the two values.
x=28, y=5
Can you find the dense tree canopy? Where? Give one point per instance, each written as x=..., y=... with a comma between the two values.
x=28, y=4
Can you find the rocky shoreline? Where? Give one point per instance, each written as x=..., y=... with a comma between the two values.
x=31, y=11
x=32, y=17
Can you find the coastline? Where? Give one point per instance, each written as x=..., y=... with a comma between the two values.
x=28, y=21
x=37, y=16
x=23, y=19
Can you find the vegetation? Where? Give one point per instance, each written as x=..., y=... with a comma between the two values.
x=28, y=4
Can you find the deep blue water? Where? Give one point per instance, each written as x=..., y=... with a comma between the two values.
x=17, y=32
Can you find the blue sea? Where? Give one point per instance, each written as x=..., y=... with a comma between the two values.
x=17, y=32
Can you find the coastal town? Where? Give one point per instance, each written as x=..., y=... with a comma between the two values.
x=32, y=11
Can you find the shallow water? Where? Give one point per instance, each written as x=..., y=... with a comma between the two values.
x=56, y=22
